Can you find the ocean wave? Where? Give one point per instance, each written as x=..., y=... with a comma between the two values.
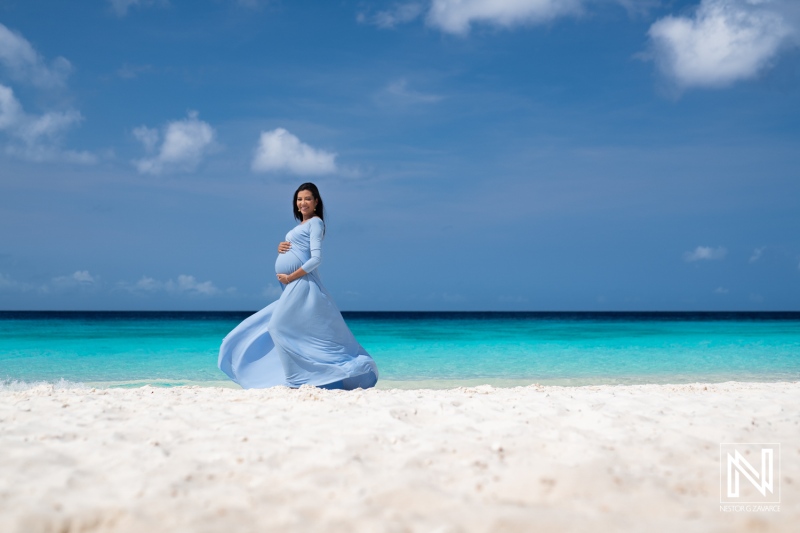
x=14, y=385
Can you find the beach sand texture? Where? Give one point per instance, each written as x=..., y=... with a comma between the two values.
x=209, y=459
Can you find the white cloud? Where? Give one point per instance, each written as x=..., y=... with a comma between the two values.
x=147, y=284
x=185, y=284
x=705, y=253
x=11, y=114
x=398, y=14
x=185, y=144
x=723, y=42
x=721, y=290
x=398, y=91
x=34, y=137
x=188, y=284
x=278, y=150
x=757, y=254
x=121, y=7
x=33, y=129
x=457, y=16
x=37, y=137
x=81, y=278
x=147, y=136
x=25, y=64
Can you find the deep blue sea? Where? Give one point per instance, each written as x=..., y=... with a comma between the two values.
x=418, y=349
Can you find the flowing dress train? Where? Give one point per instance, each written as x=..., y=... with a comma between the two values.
x=301, y=338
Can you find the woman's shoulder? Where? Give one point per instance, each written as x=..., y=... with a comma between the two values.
x=313, y=224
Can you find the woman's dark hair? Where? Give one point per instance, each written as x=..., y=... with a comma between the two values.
x=319, y=211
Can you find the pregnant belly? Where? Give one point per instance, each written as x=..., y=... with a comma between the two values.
x=287, y=263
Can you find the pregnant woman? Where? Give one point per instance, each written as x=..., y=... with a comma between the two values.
x=301, y=338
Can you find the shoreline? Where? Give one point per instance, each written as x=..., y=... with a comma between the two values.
x=636, y=457
x=422, y=384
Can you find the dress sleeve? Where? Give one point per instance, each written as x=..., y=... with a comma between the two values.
x=315, y=245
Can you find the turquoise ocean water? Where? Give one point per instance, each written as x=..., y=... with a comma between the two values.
x=418, y=349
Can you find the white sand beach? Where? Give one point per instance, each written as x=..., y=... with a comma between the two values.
x=482, y=459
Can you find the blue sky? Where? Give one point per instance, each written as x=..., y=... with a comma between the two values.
x=472, y=155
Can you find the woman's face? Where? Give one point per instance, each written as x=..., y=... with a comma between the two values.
x=306, y=204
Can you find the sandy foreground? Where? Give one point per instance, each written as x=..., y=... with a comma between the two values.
x=208, y=459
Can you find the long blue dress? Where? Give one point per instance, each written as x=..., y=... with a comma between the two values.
x=301, y=338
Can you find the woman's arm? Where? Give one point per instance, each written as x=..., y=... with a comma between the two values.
x=288, y=278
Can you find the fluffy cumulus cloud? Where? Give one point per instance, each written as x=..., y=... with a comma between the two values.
x=185, y=284
x=280, y=151
x=83, y=280
x=10, y=109
x=184, y=144
x=24, y=64
x=724, y=41
x=397, y=14
x=80, y=278
x=719, y=43
x=37, y=137
x=705, y=253
x=189, y=285
x=457, y=16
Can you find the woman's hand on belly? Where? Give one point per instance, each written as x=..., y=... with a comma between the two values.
x=288, y=278
x=284, y=246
